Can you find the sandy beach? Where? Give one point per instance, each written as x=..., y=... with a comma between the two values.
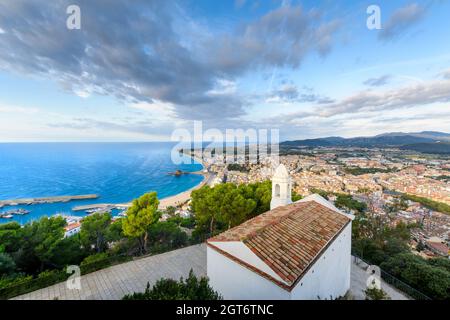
x=181, y=198
x=171, y=201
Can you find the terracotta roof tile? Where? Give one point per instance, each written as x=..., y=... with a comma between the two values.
x=289, y=238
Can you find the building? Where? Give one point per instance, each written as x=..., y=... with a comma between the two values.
x=296, y=251
x=281, y=188
x=71, y=229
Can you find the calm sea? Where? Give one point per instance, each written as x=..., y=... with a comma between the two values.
x=118, y=172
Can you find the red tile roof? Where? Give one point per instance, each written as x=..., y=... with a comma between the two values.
x=72, y=226
x=288, y=239
x=440, y=247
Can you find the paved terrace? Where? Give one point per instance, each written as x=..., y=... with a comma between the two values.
x=114, y=282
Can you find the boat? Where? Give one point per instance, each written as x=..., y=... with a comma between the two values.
x=98, y=210
x=20, y=212
x=16, y=211
x=7, y=216
x=122, y=213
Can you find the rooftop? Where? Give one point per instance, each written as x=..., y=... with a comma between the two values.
x=287, y=239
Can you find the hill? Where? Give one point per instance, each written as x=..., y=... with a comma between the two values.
x=426, y=141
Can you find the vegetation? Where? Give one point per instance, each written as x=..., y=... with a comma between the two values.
x=431, y=277
x=357, y=171
x=343, y=201
x=36, y=255
x=93, y=231
x=397, y=205
x=165, y=236
x=168, y=289
x=376, y=294
x=444, y=178
x=140, y=216
x=430, y=204
x=376, y=241
x=320, y=192
x=227, y=205
x=347, y=201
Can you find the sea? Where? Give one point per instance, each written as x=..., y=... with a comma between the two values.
x=117, y=172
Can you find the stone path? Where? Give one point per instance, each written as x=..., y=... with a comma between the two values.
x=358, y=283
x=114, y=282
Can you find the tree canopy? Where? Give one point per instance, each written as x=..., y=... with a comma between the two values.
x=140, y=216
x=94, y=231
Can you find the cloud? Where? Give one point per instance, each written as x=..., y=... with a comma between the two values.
x=289, y=93
x=401, y=20
x=18, y=109
x=143, y=127
x=153, y=51
x=281, y=38
x=378, y=82
x=416, y=94
x=445, y=74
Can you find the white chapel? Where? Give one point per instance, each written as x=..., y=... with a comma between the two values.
x=298, y=251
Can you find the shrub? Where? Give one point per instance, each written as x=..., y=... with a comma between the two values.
x=94, y=262
x=419, y=273
x=7, y=264
x=376, y=294
x=168, y=289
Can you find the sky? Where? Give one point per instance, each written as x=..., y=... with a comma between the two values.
x=138, y=70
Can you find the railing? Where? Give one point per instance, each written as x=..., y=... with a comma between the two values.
x=395, y=282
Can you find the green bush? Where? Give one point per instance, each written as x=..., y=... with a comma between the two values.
x=376, y=294
x=24, y=284
x=168, y=289
x=432, y=280
x=7, y=264
x=94, y=262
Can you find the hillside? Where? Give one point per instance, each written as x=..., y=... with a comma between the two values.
x=426, y=141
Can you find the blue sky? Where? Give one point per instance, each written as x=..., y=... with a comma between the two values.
x=136, y=71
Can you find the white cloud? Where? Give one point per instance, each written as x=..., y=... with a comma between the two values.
x=223, y=87
x=17, y=109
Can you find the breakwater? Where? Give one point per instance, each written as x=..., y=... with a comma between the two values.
x=41, y=200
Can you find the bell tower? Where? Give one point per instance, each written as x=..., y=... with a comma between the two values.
x=281, y=188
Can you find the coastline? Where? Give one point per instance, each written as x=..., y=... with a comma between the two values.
x=173, y=200
x=182, y=197
x=170, y=201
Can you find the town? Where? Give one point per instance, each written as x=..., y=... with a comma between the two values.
x=402, y=186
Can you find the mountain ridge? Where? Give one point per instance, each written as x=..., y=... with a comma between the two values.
x=409, y=140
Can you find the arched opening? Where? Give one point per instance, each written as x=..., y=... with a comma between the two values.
x=277, y=190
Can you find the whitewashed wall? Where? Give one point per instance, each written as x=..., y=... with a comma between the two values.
x=235, y=282
x=329, y=277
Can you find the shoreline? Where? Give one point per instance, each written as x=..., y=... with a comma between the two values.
x=170, y=201
x=184, y=196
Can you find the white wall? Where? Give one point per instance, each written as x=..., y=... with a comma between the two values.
x=234, y=281
x=330, y=276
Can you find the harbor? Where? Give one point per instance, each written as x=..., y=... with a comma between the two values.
x=101, y=207
x=41, y=200
x=10, y=213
